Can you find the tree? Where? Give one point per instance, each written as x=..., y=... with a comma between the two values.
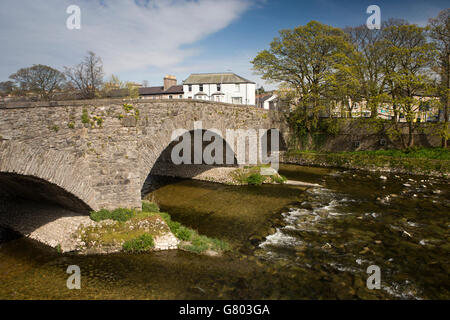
x=114, y=83
x=39, y=79
x=87, y=76
x=440, y=34
x=408, y=60
x=367, y=66
x=260, y=90
x=6, y=88
x=344, y=83
x=305, y=58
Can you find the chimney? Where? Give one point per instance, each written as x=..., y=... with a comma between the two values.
x=169, y=81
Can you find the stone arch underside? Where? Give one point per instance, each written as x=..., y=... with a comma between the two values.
x=152, y=147
x=50, y=175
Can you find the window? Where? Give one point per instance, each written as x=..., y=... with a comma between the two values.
x=180, y=96
x=190, y=88
x=219, y=87
x=200, y=88
x=170, y=97
x=237, y=87
x=237, y=100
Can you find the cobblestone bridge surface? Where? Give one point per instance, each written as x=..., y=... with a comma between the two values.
x=97, y=154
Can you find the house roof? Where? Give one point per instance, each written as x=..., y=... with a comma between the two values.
x=210, y=78
x=264, y=98
x=160, y=90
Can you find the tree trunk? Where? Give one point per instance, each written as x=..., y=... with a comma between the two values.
x=446, y=105
x=410, y=134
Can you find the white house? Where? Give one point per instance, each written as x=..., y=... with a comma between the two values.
x=268, y=102
x=221, y=87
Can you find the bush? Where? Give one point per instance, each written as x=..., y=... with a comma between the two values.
x=184, y=233
x=255, y=179
x=278, y=179
x=85, y=117
x=116, y=215
x=141, y=244
x=149, y=206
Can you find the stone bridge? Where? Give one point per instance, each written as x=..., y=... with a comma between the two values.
x=97, y=154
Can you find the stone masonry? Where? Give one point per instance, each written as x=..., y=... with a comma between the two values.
x=99, y=152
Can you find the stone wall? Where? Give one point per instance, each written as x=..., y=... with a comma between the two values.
x=361, y=134
x=101, y=151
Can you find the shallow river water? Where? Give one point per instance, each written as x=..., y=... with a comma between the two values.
x=288, y=242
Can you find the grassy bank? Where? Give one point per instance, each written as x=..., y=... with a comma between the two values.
x=136, y=230
x=428, y=161
x=251, y=175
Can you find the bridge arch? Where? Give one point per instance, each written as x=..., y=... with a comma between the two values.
x=49, y=175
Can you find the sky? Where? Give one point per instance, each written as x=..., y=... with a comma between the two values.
x=146, y=39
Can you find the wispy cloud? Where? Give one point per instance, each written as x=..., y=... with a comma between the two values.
x=128, y=34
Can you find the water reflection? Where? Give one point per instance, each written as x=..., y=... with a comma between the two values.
x=290, y=243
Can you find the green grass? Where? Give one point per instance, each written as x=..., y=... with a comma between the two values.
x=255, y=179
x=278, y=179
x=119, y=214
x=193, y=241
x=141, y=244
x=251, y=175
x=415, y=153
x=435, y=161
x=149, y=207
x=137, y=241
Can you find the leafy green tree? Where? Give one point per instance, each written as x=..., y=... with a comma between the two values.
x=367, y=65
x=305, y=58
x=260, y=90
x=408, y=60
x=440, y=34
x=345, y=85
x=39, y=79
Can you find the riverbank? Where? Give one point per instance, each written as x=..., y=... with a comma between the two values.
x=104, y=231
x=431, y=162
x=237, y=176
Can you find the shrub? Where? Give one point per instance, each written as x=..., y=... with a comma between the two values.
x=149, y=206
x=85, y=116
x=255, y=179
x=199, y=244
x=184, y=233
x=141, y=244
x=116, y=215
x=278, y=179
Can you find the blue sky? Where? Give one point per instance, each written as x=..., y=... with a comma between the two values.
x=146, y=39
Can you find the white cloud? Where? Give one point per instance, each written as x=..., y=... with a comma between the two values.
x=128, y=35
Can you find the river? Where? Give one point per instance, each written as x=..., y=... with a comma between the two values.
x=289, y=242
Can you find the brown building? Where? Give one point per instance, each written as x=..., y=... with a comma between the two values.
x=170, y=90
